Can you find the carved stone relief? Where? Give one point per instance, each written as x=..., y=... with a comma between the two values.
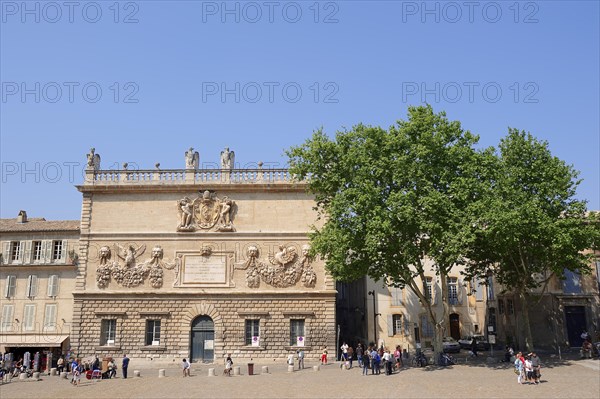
x=283, y=270
x=206, y=212
x=132, y=274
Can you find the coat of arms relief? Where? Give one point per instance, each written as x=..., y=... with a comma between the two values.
x=205, y=213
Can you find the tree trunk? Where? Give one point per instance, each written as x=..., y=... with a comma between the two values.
x=526, y=328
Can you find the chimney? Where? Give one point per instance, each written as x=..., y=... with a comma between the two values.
x=22, y=218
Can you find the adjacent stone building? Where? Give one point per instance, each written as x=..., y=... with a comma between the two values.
x=196, y=264
x=37, y=269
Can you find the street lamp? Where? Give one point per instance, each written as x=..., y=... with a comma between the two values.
x=374, y=317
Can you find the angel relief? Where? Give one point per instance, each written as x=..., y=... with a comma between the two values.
x=132, y=274
x=284, y=268
x=206, y=212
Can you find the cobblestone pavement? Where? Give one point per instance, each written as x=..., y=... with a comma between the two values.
x=560, y=379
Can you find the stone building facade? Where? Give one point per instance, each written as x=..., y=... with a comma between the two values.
x=38, y=270
x=395, y=316
x=194, y=263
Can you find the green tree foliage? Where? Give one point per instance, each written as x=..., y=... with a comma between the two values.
x=391, y=200
x=529, y=226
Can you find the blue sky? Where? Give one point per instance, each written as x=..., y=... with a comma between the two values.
x=142, y=81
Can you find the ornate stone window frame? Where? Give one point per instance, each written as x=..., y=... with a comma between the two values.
x=261, y=316
x=155, y=315
x=308, y=319
x=112, y=315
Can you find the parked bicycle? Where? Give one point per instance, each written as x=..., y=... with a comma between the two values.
x=419, y=360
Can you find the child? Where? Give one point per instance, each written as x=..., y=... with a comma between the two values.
x=186, y=368
x=324, y=356
x=228, y=365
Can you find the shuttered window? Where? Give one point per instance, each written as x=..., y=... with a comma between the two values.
x=50, y=317
x=29, y=318
x=53, y=285
x=10, y=286
x=32, y=284
x=7, y=317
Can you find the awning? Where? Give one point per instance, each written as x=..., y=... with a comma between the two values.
x=32, y=340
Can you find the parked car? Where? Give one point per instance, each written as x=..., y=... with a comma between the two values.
x=482, y=343
x=451, y=345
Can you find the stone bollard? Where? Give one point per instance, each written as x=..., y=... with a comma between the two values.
x=316, y=368
x=236, y=370
x=23, y=376
x=53, y=371
x=36, y=376
x=136, y=373
x=161, y=373
x=264, y=370
x=290, y=369
x=64, y=375
x=211, y=372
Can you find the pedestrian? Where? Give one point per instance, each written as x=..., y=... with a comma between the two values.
x=124, y=365
x=359, y=354
x=228, y=365
x=537, y=365
x=350, y=355
x=528, y=369
x=112, y=368
x=519, y=367
x=324, y=356
x=76, y=369
x=300, y=353
x=474, y=347
x=366, y=359
x=185, y=365
x=60, y=364
x=387, y=357
x=398, y=357
x=344, y=354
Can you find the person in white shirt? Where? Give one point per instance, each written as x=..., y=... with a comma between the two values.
x=344, y=349
x=185, y=365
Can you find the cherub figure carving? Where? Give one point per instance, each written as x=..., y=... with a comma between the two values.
x=130, y=254
x=192, y=159
x=309, y=277
x=186, y=212
x=227, y=159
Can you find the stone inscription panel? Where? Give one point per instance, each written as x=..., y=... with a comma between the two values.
x=205, y=269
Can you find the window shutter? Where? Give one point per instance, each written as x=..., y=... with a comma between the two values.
x=390, y=325
x=459, y=291
x=434, y=293
x=53, y=285
x=31, y=286
x=7, y=317
x=6, y=252
x=406, y=327
x=21, y=258
x=27, y=256
x=50, y=318
x=63, y=254
x=47, y=251
x=29, y=317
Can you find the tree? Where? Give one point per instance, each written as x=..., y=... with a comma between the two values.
x=530, y=227
x=392, y=200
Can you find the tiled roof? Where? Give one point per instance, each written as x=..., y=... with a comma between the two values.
x=38, y=224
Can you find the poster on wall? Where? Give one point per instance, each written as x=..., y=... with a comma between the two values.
x=209, y=344
x=255, y=341
x=300, y=341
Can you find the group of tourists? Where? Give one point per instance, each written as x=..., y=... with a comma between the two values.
x=372, y=358
x=527, y=368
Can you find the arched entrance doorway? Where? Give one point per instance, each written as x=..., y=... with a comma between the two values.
x=455, y=326
x=202, y=338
